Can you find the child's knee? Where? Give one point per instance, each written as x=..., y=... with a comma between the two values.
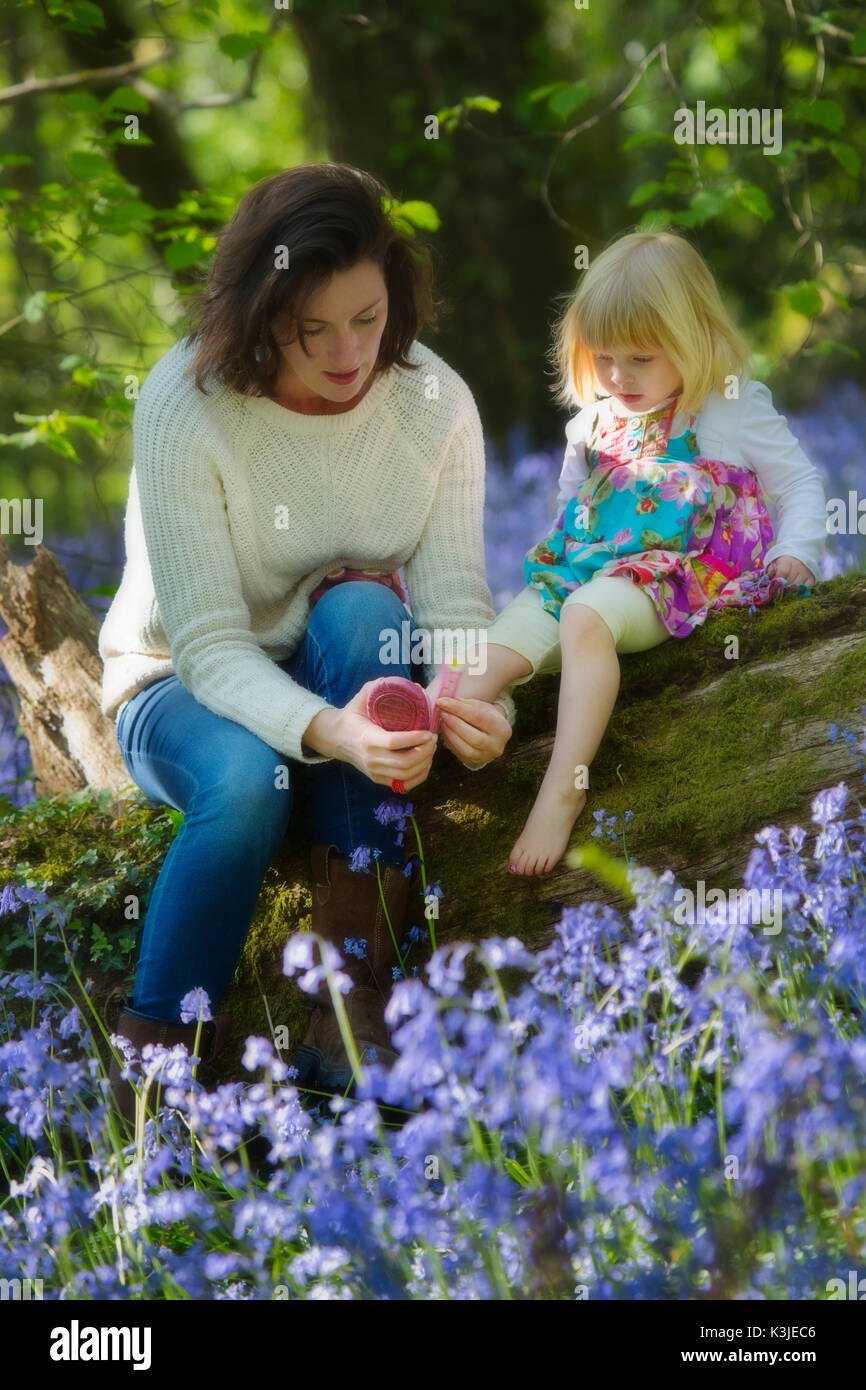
x=578, y=621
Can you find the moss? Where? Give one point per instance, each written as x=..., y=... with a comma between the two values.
x=684, y=760
x=467, y=814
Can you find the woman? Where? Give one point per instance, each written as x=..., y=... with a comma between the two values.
x=298, y=429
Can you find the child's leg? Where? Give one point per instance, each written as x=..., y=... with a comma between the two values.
x=519, y=641
x=587, y=695
x=503, y=665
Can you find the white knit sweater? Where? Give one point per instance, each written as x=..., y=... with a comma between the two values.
x=238, y=507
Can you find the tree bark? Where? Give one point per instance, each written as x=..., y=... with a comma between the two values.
x=51, y=655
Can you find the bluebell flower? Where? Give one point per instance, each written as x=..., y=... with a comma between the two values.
x=70, y=1023
x=356, y=946
x=829, y=804
x=360, y=859
x=195, y=1005
x=258, y=1052
x=8, y=900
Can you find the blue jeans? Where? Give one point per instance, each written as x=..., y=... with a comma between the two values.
x=222, y=777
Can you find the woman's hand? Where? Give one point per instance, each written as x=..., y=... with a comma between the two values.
x=383, y=756
x=476, y=731
x=786, y=567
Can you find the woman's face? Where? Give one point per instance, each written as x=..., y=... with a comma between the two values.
x=640, y=379
x=343, y=324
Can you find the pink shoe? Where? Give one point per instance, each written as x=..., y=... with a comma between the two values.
x=396, y=703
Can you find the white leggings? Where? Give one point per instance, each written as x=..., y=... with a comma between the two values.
x=529, y=629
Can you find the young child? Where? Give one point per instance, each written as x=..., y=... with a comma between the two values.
x=663, y=517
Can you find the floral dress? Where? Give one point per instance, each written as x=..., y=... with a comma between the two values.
x=692, y=531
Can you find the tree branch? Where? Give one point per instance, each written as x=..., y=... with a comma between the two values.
x=89, y=77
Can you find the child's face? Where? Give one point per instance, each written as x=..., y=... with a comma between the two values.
x=639, y=378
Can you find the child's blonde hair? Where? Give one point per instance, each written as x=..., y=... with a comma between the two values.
x=648, y=290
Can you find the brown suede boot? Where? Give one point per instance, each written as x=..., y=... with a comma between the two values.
x=140, y=1029
x=349, y=904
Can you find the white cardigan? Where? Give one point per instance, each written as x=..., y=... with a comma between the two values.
x=748, y=431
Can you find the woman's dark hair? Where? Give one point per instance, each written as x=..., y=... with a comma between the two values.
x=327, y=217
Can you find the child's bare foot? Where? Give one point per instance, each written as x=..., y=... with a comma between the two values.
x=545, y=836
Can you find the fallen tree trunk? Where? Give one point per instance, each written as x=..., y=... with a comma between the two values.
x=705, y=748
x=712, y=739
x=51, y=656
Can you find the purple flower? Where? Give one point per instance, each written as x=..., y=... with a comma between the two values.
x=8, y=900
x=298, y=955
x=360, y=859
x=829, y=804
x=258, y=1052
x=356, y=946
x=195, y=1006
x=70, y=1023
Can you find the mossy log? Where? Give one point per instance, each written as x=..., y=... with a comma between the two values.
x=705, y=748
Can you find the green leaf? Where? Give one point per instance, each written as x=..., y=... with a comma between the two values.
x=420, y=214
x=564, y=103
x=483, y=103
x=517, y=1171
x=846, y=155
x=79, y=16
x=611, y=871
x=646, y=137
x=85, y=102
x=707, y=203
x=238, y=46
x=127, y=215
x=826, y=113
x=540, y=93
x=59, y=445
x=655, y=220
x=126, y=99
x=87, y=165
x=828, y=346
x=183, y=253
x=755, y=200
x=804, y=298
x=93, y=427
x=644, y=192
x=858, y=42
